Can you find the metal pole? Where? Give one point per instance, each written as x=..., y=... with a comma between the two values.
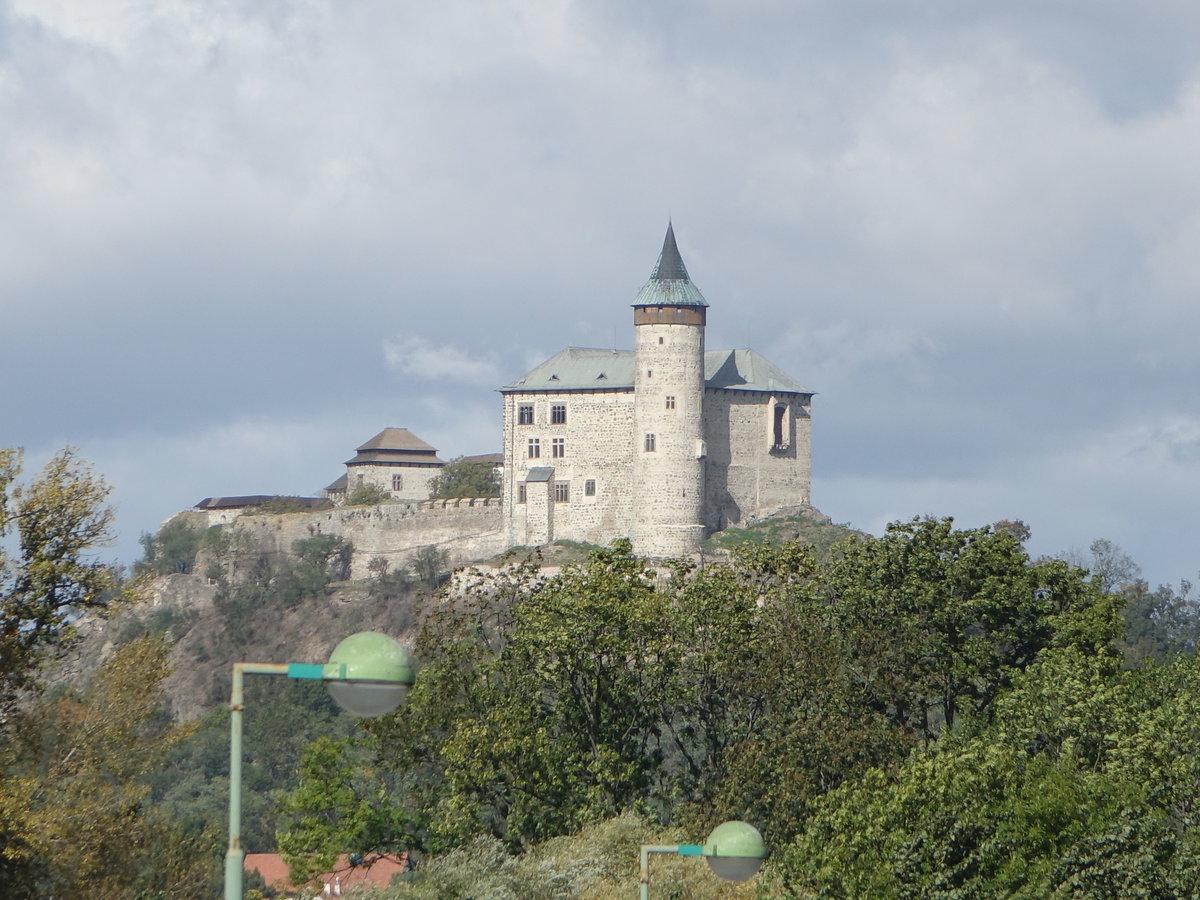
x=235, y=856
x=644, y=861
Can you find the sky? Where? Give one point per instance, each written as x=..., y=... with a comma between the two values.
x=240, y=237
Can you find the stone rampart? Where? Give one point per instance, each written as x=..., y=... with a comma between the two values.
x=467, y=529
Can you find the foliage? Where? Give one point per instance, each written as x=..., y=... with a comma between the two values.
x=283, y=717
x=367, y=495
x=598, y=863
x=1159, y=624
x=802, y=527
x=283, y=505
x=1082, y=784
x=76, y=787
x=59, y=518
x=279, y=583
x=742, y=690
x=465, y=478
x=173, y=550
x=340, y=803
x=429, y=564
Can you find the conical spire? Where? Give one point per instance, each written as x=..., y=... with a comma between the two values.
x=669, y=285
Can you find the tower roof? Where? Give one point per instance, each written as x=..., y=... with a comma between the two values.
x=669, y=284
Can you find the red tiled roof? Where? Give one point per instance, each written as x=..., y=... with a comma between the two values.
x=377, y=870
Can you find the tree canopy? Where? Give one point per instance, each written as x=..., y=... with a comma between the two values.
x=750, y=690
x=60, y=519
x=464, y=477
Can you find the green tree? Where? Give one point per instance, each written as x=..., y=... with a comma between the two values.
x=465, y=478
x=367, y=495
x=751, y=689
x=173, y=550
x=429, y=564
x=59, y=519
x=1082, y=782
x=1160, y=623
x=76, y=787
x=940, y=619
x=341, y=804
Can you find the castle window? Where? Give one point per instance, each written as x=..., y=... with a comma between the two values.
x=650, y=442
x=558, y=414
x=558, y=447
x=649, y=373
x=397, y=482
x=535, y=448
x=525, y=414
x=521, y=492
x=670, y=402
x=779, y=432
x=660, y=340
x=562, y=492
x=589, y=488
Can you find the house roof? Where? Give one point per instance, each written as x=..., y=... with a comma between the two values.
x=397, y=439
x=496, y=459
x=377, y=870
x=578, y=368
x=395, y=446
x=255, y=500
x=669, y=284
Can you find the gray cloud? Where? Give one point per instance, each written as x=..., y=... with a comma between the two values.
x=970, y=229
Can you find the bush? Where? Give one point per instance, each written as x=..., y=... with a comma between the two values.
x=465, y=478
x=367, y=495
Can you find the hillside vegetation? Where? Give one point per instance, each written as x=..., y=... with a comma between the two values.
x=930, y=713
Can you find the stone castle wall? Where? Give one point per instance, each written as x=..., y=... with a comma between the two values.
x=749, y=475
x=598, y=447
x=466, y=529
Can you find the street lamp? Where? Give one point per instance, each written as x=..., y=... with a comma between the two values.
x=367, y=675
x=734, y=850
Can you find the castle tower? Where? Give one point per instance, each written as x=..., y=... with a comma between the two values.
x=668, y=471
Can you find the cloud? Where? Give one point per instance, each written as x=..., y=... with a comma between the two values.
x=970, y=229
x=421, y=359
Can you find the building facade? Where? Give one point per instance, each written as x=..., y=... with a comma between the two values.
x=664, y=444
x=395, y=462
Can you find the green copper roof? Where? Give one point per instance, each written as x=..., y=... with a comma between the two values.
x=669, y=285
x=578, y=368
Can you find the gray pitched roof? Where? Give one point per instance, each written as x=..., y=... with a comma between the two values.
x=669, y=284
x=578, y=368
x=396, y=439
x=396, y=446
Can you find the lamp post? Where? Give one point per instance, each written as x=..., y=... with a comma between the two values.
x=367, y=675
x=734, y=850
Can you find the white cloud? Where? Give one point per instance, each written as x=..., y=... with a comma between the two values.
x=421, y=359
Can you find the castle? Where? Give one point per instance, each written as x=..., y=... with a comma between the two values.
x=664, y=444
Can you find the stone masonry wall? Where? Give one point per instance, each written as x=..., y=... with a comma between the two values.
x=668, y=478
x=598, y=446
x=466, y=529
x=748, y=477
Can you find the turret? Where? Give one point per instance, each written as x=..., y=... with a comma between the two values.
x=668, y=317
